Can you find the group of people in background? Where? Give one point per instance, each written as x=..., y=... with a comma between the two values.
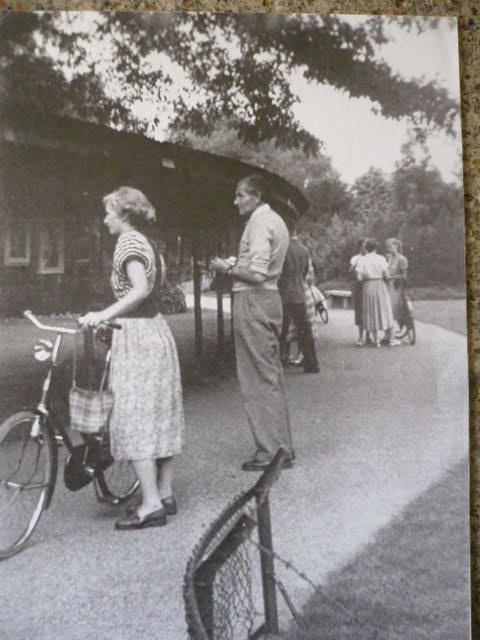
x=378, y=290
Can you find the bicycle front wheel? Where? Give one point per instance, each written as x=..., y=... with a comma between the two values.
x=26, y=467
x=412, y=335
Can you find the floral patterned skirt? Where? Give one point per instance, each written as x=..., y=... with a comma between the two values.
x=147, y=421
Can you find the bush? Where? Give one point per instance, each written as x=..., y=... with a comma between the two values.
x=172, y=300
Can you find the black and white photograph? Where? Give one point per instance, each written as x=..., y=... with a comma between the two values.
x=233, y=328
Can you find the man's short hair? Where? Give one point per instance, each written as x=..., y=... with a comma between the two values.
x=257, y=184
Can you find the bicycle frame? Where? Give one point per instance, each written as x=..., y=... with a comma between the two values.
x=47, y=416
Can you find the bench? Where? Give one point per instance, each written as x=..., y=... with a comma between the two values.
x=339, y=298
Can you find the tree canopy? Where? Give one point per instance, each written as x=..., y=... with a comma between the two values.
x=232, y=67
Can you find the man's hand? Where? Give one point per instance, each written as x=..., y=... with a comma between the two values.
x=221, y=265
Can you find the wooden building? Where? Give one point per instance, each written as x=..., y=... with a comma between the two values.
x=55, y=252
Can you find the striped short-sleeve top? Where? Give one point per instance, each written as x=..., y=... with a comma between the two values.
x=131, y=245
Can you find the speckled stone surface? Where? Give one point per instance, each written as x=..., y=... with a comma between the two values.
x=468, y=13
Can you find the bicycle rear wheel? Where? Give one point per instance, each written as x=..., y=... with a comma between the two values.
x=412, y=334
x=26, y=467
x=117, y=482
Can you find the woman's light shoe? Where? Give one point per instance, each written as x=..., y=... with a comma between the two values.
x=394, y=343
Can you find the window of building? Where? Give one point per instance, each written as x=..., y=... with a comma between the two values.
x=17, y=243
x=52, y=247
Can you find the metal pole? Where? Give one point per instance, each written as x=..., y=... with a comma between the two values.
x=232, y=339
x=268, y=569
x=197, y=294
x=220, y=319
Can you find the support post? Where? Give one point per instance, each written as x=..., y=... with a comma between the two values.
x=268, y=569
x=232, y=339
x=197, y=297
x=220, y=318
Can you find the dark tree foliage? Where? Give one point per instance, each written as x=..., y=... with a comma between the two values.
x=237, y=68
x=426, y=213
x=30, y=78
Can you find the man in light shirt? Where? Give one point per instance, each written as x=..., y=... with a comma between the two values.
x=257, y=320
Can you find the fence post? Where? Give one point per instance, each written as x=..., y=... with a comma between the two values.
x=197, y=296
x=220, y=318
x=267, y=566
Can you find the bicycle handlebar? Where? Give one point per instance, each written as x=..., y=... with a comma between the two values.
x=66, y=330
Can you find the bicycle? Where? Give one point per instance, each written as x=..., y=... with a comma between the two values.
x=29, y=442
x=322, y=310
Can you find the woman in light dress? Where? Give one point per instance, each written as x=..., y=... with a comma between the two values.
x=377, y=315
x=397, y=270
x=147, y=421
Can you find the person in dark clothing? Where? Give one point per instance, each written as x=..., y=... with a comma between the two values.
x=292, y=291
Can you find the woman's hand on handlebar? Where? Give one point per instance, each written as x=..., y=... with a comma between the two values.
x=92, y=319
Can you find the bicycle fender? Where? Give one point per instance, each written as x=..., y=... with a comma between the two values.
x=46, y=426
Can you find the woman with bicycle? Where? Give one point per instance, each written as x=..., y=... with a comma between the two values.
x=147, y=422
x=397, y=275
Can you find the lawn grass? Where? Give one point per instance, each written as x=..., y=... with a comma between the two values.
x=449, y=314
x=410, y=583
x=437, y=292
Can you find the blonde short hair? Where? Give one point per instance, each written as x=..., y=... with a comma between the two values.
x=396, y=242
x=131, y=204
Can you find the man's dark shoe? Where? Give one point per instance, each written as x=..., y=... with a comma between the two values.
x=261, y=465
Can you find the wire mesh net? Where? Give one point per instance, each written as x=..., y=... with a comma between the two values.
x=223, y=585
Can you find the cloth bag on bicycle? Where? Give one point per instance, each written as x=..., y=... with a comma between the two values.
x=89, y=409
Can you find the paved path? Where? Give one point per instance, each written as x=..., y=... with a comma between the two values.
x=373, y=431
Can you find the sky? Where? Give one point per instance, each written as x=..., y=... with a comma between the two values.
x=354, y=137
